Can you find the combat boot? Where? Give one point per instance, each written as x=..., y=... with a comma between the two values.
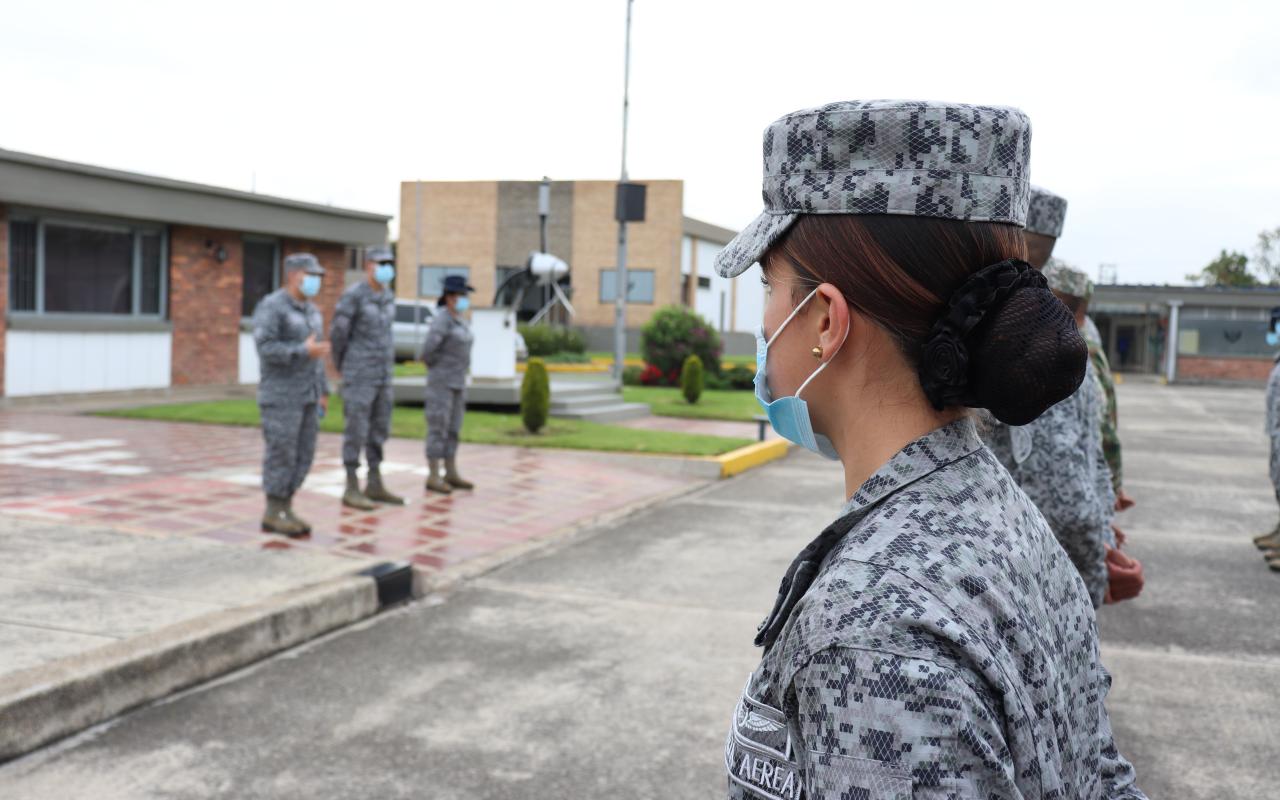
x=375, y=491
x=353, y=497
x=1273, y=560
x=288, y=510
x=452, y=477
x=434, y=482
x=277, y=519
x=1268, y=541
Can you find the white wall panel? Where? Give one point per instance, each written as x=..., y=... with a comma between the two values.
x=248, y=358
x=68, y=362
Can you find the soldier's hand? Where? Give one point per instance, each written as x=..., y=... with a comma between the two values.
x=1123, y=501
x=324, y=404
x=316, y=349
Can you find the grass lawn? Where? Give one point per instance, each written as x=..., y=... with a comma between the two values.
x=739, y=406
x=478, y=427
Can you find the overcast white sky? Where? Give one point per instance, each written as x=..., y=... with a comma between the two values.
x=1159, y=122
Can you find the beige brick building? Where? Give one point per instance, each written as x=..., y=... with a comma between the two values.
x=486, y=229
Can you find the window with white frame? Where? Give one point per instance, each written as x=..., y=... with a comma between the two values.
x=66, y=265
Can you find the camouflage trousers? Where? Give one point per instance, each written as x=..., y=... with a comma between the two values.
x=289, y=432
x=366, y=409
x=444, y=410
x=1275, y=465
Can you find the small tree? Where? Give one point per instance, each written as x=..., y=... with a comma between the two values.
x=691, y=379
x=1267, y=255
x=1228, y=269
x=535, y=396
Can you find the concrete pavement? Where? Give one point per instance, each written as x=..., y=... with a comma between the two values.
x=608, y=665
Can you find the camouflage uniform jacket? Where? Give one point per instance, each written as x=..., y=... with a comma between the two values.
x=1109, y=412
x=1273, y=400
x=1058, y=462
x=281, y=326
x=363, y=349
x=932, y=642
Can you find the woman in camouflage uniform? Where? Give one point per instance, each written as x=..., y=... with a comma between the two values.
x=935, y=640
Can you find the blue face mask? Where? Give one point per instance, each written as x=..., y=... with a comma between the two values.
x=383, y=273
x=463, y=304
x=789, y=416
x=1273, y=335
x=311, y=286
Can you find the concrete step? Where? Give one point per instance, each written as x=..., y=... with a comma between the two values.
x=586, y=400
x=617, y=412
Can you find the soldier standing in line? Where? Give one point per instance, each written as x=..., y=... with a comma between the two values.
x=446, y=350
x=933, y=641
x=1058, y=459
x=1110, y=414
x=1269, y=543
x=364, y=353
x=293, y=391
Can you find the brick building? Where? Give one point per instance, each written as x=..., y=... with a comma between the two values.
x=112, y=280
x=485, y=231
x=1219, y=331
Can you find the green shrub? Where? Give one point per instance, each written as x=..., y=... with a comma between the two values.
x=535, y=396
x=673, y=334
x=548, y=340
x=740, y=377
x=716, y=382
x=691, y=379
x=631, y=376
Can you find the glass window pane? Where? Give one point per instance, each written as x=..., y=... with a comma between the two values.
x=22, y=266
x=431, y=278
x=409, y=313
x=87, y=270
x=259, y=273
x=149, y=297
x=639, y=290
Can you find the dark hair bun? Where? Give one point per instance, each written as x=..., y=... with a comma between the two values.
x=1006, y=344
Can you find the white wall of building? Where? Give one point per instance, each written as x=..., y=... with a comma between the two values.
x=64, y=362
x=727, y=309
x=248, y=358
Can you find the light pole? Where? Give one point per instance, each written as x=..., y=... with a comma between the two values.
x=620, y=284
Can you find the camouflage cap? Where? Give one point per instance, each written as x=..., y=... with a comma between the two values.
x=1064, y=279
x=946, y=160
x=305, y=261
x=378, y=253
x=1046, y=213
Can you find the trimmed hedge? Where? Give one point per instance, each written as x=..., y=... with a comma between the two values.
x=673, y=334
x=691, y=379
x=535, y=396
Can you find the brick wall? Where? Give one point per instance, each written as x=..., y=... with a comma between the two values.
x=333, y=257
x=204, y=305
x=1238, y=370
x=4, y=288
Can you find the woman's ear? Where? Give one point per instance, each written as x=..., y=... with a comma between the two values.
x=835, y=323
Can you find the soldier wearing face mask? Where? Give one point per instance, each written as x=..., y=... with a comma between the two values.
x=1269, y=543
x=934, y=640
x=364, y=352
x=293, y=391
x=446, y=350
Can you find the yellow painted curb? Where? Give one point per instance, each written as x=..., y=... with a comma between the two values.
x=745, y=458
x=627, y=362
x=569, y=367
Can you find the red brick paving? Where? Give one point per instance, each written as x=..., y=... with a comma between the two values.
x=161, y=478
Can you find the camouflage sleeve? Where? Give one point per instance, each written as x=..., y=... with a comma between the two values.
x=435, y=336
x=267, y=340
x=875, y=724
x=1076, y=514
x=340, y=329
x=1114, y=770
x=1110, y=417
x=1273, y=403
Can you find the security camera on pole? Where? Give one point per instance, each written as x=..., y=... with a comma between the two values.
x=629, y=207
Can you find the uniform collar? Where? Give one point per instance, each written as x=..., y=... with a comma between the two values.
x=920, y=458
x=301, y=305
